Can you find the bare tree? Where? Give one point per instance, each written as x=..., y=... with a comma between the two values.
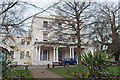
x=106, y=27
x=13, y=18
x=74, y=15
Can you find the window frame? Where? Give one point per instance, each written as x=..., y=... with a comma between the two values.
x=12, y=54
x=45, y=37
x=22, y=41
x=27, y=53
x=22, y=55
x=45, y=24
x=27, y=42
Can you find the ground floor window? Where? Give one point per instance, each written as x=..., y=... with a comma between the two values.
x=22, y=55
x=61, y=55
x=44, y=55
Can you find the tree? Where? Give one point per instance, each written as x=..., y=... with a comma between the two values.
x=75, y=14
x=108, y=28
x=13, y=20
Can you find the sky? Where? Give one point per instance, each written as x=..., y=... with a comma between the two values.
x=46, y=3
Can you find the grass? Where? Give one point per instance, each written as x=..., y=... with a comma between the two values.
x=63, y=71
x=115, y=70
x=19, y=73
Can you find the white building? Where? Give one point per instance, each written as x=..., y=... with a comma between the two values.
x=45, y=44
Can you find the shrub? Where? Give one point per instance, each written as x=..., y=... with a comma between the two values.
x=97, y=63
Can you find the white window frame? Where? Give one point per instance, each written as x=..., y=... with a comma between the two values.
x=22, y=55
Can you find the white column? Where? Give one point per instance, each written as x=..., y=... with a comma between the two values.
x=36, y=53
x=42, y=55
x=39, y=53
x=54, y=53
x=72, y=52
x=32, y=55
x=47, y=55
x=57, y=54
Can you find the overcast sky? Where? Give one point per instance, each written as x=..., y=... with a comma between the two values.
x=47, y=3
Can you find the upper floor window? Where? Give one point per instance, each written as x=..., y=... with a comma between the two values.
x=45, y=37
x=22, y=55
x=23, y=42
x=12, y=54
x=59, y=37
x=73, y=39
x=45, y=24
x=59, y=26
x=28, y=42
x=73, y=27
x=27, y=53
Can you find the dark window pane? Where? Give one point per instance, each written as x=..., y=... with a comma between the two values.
x=22, y=42
x=59, y=26
x=45, y=24
x=28, y=42
x=12, y=54
x=44, y=54
x=22, y=55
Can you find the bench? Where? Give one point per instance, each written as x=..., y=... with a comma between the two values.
x=58, y=64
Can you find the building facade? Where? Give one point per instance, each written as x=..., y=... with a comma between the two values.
x=45, y=43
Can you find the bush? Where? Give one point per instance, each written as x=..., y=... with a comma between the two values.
x=97, y=63
x=7, y=68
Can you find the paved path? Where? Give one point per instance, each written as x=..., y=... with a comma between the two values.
x=44, y=74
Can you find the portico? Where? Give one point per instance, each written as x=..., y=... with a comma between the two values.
x=52, y=53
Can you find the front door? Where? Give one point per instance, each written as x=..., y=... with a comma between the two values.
x=61, y=55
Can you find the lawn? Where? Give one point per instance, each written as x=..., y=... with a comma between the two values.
x=63, y=71
x=21, y=73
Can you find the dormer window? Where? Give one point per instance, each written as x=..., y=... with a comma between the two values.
x=45, y=24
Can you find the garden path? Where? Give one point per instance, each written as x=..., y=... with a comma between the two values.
x=44, y=74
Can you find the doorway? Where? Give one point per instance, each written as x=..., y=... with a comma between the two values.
x=61, y=55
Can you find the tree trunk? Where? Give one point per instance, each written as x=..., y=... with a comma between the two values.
x=79, y=48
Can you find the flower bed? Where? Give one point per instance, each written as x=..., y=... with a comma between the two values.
x=87, y=76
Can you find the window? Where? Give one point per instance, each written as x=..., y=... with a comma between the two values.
x=22, y=55
x=59, y=37
x=27, y=53
x=28, y=42
x=12, y=54
x=73, y=39
x=45, y=24
x=23, y=42
x=44, y=55
x=73, y=27
x=45, y=37
x=59, y=26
